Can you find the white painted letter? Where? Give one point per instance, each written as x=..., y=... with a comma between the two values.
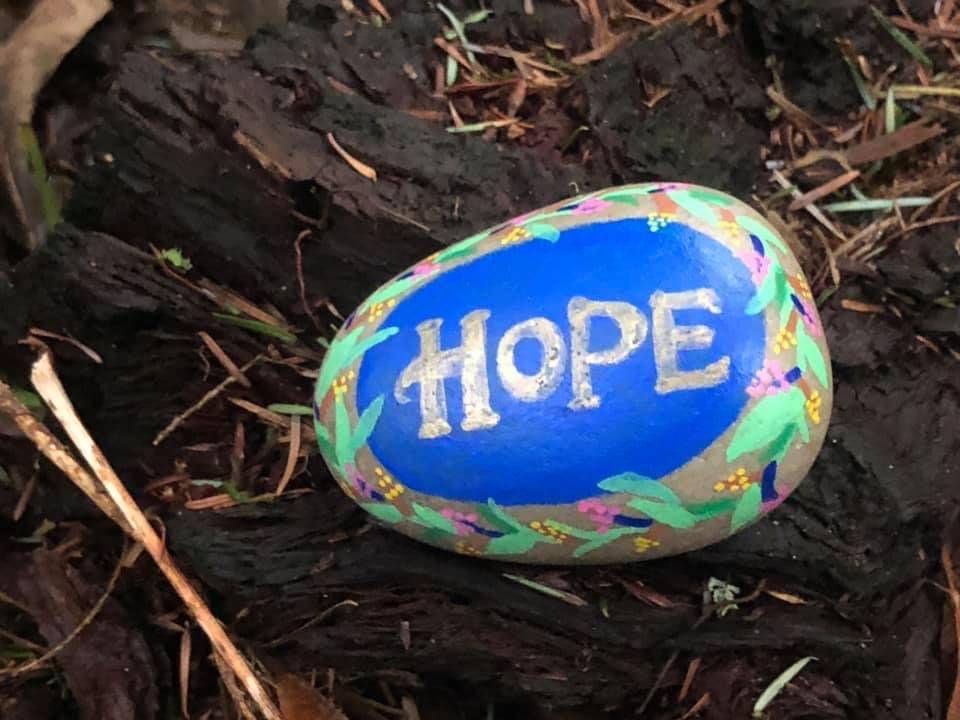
x=530, y=388
x=633, y=331
x=433, y=366
x=668, y=340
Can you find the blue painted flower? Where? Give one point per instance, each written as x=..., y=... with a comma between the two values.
x=771, y=498
x=809, y=315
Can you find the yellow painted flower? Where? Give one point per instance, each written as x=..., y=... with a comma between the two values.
x=516, y=234
x=737, y=481
x=465, y=548
x=546, y=529
x=342, y=383
x=731, y=230
x=784, y=341
x=659, y=220
x=813, y=406
x=378, y=309
x=390, y=487
x=642, y=544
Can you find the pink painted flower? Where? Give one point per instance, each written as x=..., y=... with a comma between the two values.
x=463, y=523
x=592, y=205
x=602, y=515
x=770, y=380
x=425, y=268
x=809, y=315
x=757, y=264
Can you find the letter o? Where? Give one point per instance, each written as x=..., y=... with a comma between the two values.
x=530, y=388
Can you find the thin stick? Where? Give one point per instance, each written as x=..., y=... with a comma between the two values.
x=57, y=453
x=208, y=396
x=220, y=354
x=828, y=188
x=48, y=385
x=810, y=207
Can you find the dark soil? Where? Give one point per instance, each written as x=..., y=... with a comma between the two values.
x=226, y=157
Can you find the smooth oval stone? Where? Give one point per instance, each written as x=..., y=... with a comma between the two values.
x=632, y=373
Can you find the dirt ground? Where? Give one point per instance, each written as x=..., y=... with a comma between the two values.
x=207, y=128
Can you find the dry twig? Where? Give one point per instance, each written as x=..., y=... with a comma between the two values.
x=48, y=386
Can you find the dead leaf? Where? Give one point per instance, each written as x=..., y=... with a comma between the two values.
x=885, y=146
x=28, y=59
x=862, y=307
x=300, y=701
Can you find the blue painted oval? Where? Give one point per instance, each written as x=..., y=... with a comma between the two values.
x=544, y=452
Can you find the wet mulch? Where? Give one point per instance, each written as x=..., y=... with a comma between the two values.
x=161, y=142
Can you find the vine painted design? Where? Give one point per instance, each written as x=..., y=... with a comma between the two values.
x=783, y=400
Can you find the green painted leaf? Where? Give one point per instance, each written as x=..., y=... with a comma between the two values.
x=495, y=520
x=378, y=337
x=604, y=539
x=766, y=422
x=622, y=197
x=543, y=231
x=762, y=231
x=779, y=448
x=639, y=485
x=429, y=517
x=342, y=432
x=335, y=360
x=325, y=443
x=697, y=208
x=785, y=309
x=501, y=516
x=801, y=423
x=712, y=509
x=515, y=543
x=748, y=508
x=769, y=289
x=383, y=511
x=432, y=536
x=572, y=531
x=810, y=356
x=390, y=290
x=462, y=248
x=675, y=516
x=365, y=425
x=709, y=196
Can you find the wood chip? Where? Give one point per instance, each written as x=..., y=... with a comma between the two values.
x=828, y=188
x=363, y=169
x=861, y=307
x=885, y=146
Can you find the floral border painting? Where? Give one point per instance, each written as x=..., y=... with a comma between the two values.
x=782, y=425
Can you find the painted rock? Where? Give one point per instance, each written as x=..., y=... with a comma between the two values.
x=633, y=373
